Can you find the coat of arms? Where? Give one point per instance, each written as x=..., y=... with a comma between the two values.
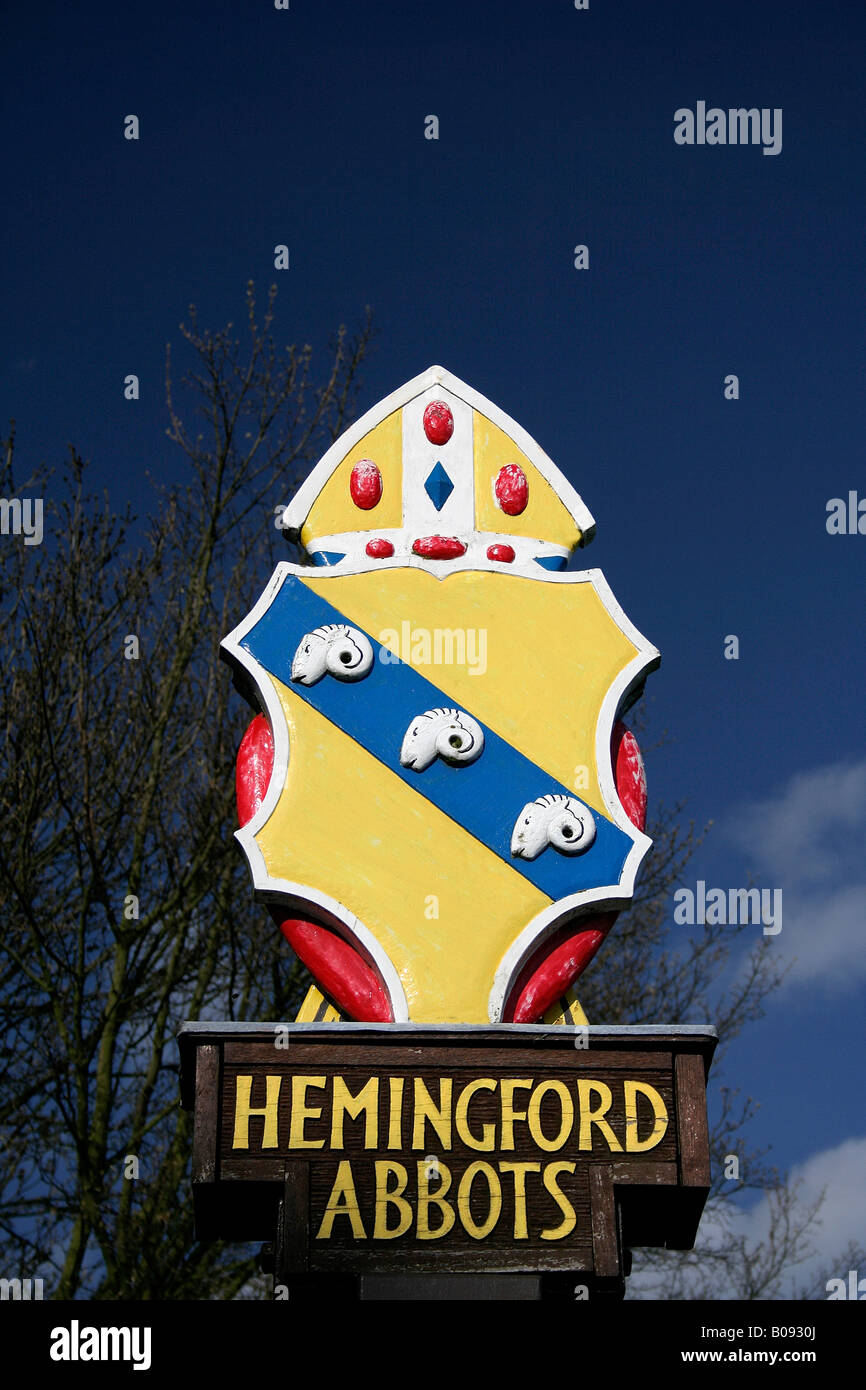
x=439, y=800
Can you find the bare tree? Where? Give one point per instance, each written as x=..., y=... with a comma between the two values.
x=125, y=906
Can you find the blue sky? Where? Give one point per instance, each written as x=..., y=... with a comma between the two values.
x=556, y=128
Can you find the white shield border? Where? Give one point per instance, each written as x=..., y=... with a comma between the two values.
x=298, y=895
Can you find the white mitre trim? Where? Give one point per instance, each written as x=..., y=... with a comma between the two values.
x=296, y=513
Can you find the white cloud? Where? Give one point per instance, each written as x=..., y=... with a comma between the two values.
x=840, y=1174
x=812, y=829
x=809, y=841
x=837, y=1173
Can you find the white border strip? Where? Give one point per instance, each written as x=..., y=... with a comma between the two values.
x=545, y=922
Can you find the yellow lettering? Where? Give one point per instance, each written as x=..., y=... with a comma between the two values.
x=633, y=1144
x=464, y=1193
x=342, y=1202
x=566, y=1109
x=590, y=1117
x=243, y=1111
x=384, y=1199
x=569, y=1219
x=427, y=1111
x=302, y=1112
x=345, y=1103
x=461, y=1116
x=395, y=1122
x=509, y=1114
x=426, y=1199
x=520, y=1170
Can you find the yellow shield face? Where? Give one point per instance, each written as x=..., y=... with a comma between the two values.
x=509, y=686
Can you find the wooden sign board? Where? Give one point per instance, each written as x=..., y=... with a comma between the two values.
x=424, y=1149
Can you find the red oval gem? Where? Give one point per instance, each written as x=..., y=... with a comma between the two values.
x=629, y=774
x=439, y=547
x=512, y=489
x=500, y=552
x=365, y=485
x=255, y=763
x=379, y=549
x=438, y=422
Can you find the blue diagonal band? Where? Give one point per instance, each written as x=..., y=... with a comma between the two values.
x=485, y=797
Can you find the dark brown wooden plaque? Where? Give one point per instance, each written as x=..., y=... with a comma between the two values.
x=375, y=1150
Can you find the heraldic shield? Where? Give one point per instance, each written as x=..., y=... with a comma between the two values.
x=440, y=803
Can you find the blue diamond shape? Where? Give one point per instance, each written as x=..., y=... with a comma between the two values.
x=438, y=487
